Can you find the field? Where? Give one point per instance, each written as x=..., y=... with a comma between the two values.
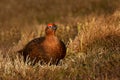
x=90, y=29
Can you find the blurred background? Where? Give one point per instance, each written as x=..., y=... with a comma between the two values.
x=17, y=15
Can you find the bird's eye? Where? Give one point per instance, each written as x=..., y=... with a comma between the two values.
x=49, y=26
x=52, y=26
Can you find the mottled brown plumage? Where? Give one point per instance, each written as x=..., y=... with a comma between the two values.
x=48, y=49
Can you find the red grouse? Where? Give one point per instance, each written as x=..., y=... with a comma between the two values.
x=48, y=49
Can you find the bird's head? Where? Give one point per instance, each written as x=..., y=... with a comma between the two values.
x=50, y=29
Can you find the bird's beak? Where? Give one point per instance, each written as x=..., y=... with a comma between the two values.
x=54, y=27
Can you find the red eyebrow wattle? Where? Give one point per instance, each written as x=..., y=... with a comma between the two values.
x=50, y=24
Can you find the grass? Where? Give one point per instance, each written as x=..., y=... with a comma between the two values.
x=93, y=41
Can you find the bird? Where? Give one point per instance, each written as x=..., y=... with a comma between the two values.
x=48, y=49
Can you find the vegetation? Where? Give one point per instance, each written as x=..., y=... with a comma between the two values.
x=89, y=28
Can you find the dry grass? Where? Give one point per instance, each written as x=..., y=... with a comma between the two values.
x=98, y=30
x=93, y=41
x=94, y=54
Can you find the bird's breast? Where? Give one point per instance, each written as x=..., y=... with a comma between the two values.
x=52, y=47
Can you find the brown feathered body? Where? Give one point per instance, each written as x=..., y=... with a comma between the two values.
x=48, y=49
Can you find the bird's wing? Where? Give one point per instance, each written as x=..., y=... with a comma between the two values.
x=33, y=42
